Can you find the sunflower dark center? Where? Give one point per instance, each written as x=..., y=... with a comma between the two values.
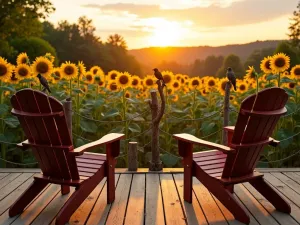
x=69, y=70
x=268, y=65
x=176, y=85
x=127, y=95
x=23, y=72
x=57, y=75
x=211, y=83
x=113, y=76
x=292, y=85
x=89, y=77
x=280, y=62
x=167, y=78
x=149, y=82
x=195, y=83
x=100, y=83
x=124, y=79
x=231, y=97
x=24, y=60
x=42, y=67
x=13, y=78
x=297, y=71
x=243, y=87
x=113, y=86
x=3, y=70
x=223, y=85
x=135, y=82
x=95, y=71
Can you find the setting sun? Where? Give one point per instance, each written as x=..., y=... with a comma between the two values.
x=165, y=33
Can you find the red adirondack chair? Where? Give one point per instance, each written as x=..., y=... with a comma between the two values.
x=43, y=120
x=220, y=169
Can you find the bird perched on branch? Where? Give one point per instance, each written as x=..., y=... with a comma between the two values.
x=231, y=77
x=159, y=76
x=44, y=82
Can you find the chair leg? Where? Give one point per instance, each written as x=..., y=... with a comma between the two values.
x=188, y=183
x=269, y=193
x=65, y=189
x=110, y=183
x=32, y=191
x=224, y=196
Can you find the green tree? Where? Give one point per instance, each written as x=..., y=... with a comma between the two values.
x=294, y=27
x=117, y=40
x=256, y=56
x=6, y=50
x=234, y=62
x=212, y=64
x=288, y=49
x=20, y=18
x=33, y=46
x=197, y=68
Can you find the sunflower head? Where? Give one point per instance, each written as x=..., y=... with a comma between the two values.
x=6, y=69
x=222, y=85
x=242, y=86
x=89, y=77
x=96, y=70
x=175, y=98
x=23, y=71
x=148, y=81
x=22, y=58
x=295, y=71
x=195, y=83
x=211, y=82
x=123, y=80
x=81, y=68
x=280, y=62
x=69, y=70
x=42, y=66
x=251, y=75
x=127, y=94
x=56, y=74
x=13, y=79
x=135, y=81
x=168, y=77
x=204, y=91
x=176, y=85
x=265, y=65
x=113, y=74
x=112, y=86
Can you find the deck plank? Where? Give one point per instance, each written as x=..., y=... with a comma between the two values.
x=171, y=200
x=284, y=189
x=230, y=218
x=6, y=180
x=288, y=181
x=81, y=214
x=259, y=212
x=9, y=200
x=51, y=210
x=293, y=176
x=117, y=211
x=192, y=211
x=2, y=175
x=282, y=218
x=211, y=210
x=101, y=209
x=37, y=206
x=7, y=189
x=154, y=211
x=136, y=202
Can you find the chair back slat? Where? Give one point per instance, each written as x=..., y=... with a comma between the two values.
x=46, y=131
x=254, y=128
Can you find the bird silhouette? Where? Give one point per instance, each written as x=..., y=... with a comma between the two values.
x=231, y=77
x=159, y=76
x=44, y=82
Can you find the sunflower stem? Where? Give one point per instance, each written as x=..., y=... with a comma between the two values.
x=278, y=79
x=126, y=122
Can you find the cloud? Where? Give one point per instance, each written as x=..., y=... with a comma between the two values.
x=238, y=13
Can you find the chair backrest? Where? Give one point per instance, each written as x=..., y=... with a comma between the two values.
x=43, y=121
x=256, y=121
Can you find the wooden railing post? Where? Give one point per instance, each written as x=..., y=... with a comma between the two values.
x=226, y=112
x=67, y=104
x=132, y=156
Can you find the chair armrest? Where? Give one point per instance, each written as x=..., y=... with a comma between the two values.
x=229, y=128
x=107, y=139
x=274, y=142
x=230, y=131
x=194, y=140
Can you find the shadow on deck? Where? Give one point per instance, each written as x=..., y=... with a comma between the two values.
x=150, y=198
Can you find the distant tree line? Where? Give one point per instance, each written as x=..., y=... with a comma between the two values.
x=22, y=31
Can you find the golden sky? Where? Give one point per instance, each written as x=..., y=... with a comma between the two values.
x=182, y=22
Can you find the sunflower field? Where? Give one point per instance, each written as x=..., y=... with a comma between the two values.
x=117, y=102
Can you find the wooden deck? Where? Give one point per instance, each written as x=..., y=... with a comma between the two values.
x=150, y=198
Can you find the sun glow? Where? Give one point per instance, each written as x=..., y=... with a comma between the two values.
x=165, y=33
